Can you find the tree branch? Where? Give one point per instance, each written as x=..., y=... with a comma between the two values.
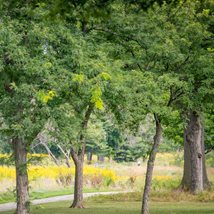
x=127, y=38
x=66, y=156
x=174, y=95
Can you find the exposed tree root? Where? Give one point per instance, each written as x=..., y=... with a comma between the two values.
x=78, y=206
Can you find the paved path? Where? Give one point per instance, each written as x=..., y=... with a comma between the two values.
x=12, y=205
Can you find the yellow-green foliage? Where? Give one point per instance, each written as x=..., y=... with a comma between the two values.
x=79, y=78
x=96, y=94
x=105, y=76
x=45, y=97
x=4, y=155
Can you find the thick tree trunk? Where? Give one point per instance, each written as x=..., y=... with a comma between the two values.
x=194, y=176
x=206, y=183
x=186, y=180
x=23, y=204
x=150, y=166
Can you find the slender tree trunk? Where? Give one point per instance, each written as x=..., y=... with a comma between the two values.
x=100, y=158
x=150, y=166
x=78, y=158
x=67, y=162
x=23, y=204
x=78, y=184
x=194, y=176
x=50, y=153
x=67, y=159
x=89, y=157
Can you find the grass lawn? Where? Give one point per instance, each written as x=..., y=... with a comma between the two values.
x=10, y=197
x=124, y=208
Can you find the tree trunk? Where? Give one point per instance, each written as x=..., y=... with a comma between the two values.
x=23, y=204
x=67, y=159
x=50, y=153
x=150, y=166
x=89, y=157
x=206, y=183
x=100, y=158
x=194, y=176
x=78, y=158
x=67, y=162
x=78, y=185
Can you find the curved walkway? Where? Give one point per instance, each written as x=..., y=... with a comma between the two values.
x=12, y=205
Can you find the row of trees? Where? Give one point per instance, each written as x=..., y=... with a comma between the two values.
x=64, y=63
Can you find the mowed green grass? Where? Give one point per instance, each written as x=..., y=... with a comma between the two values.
x=10, y=197
x=123, y=208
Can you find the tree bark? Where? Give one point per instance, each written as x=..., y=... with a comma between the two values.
x=194, y=176
x=78, y=158
x=23, y=203
x=78, y=184
x=150, y=165
x=206, y=183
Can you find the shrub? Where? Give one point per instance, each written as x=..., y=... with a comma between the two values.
x=165, y=182
x=210, y=159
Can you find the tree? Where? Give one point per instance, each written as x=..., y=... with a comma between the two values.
x=79, y=97
x=22, y=59
x=33, y=55
x=159, y=42
x=161, y=97
x=88, y=79
x=163, y=44
x=195, y=176
x=70, y=117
